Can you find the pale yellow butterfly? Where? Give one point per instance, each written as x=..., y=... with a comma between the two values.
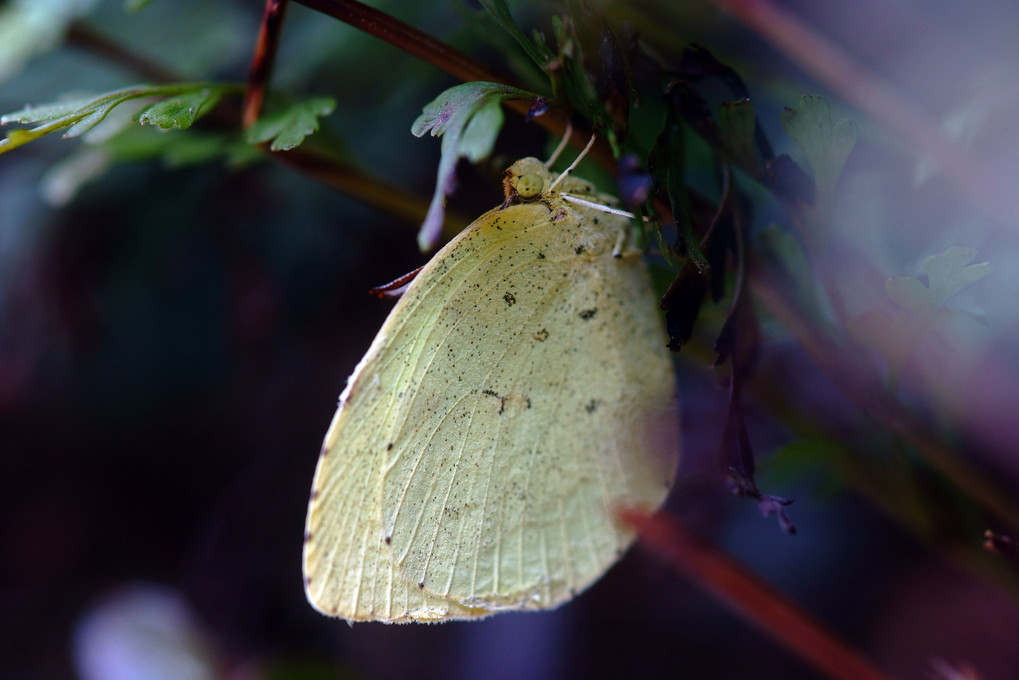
x=519, y=392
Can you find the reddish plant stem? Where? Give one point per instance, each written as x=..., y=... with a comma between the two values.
x=863, y=388
x=262, y=60
x=409, y=39
x=751, y=599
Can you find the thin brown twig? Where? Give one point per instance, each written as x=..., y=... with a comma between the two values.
x=754, y=601
x=449, y=60
x=415, y=42
x=84, y=37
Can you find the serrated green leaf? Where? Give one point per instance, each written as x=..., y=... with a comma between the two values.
x=85, y=123
x=826, y=145
x=82, y=115
x=452, y=116
x=95, y=114
x=289, y=127
x=181, y=111
x=45, y=112
x=77, y=121
x=950, y=271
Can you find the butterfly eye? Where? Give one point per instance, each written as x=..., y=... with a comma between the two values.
x=529, y=185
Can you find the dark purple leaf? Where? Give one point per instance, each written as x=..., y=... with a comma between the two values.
x=682, y=302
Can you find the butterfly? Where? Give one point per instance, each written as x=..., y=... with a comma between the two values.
x=517, y=394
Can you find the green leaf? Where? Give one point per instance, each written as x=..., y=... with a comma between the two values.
x=947, y=273
x=289, y=127
x=479, y=134
x=81, y=115
x=537, y=51
x=468, y=119
x=908, y=293
x=181, y=111
x=45, y=112
x=93, y=117
x=55, y=117
x=951, y=271
x=825, y=144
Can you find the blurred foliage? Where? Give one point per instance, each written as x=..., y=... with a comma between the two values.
x=178, y=305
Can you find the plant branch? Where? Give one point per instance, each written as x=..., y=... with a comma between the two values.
x=407, y=38
x=84, y=37
x=864, y=389
x=261, y=61
x=751, y=599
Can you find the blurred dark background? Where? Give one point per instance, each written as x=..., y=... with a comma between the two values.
x=173, y=339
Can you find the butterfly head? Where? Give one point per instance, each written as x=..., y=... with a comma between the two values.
x=526, y=180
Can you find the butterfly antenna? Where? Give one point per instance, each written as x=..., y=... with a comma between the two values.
x=562, y=145
x=573, y=165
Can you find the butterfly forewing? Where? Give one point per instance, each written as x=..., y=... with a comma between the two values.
x=515, y=396
x=530, y=411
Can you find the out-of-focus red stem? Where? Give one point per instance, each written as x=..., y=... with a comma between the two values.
x=751, y=599
x=861, y=386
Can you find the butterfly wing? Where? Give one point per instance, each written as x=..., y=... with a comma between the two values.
x=541, y=399
x=516, y=392
x=347, y=564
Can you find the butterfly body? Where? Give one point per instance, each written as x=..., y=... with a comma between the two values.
x=518, y=392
